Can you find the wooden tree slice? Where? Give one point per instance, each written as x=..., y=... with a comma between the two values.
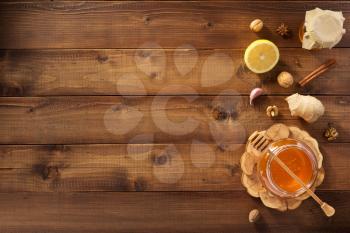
x=292, y=204
x=252, y=184
x=272, y=201
x=277, y=132
x=251, y=157
x=248, y=162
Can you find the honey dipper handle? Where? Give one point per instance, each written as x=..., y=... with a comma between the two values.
x=327, y=209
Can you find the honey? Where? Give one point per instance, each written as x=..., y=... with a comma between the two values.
x=298, y=157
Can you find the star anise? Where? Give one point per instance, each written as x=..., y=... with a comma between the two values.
x=283, y=31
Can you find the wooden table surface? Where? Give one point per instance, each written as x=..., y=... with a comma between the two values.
x=132, y=116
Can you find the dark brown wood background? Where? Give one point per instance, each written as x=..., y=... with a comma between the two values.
x=62, y=171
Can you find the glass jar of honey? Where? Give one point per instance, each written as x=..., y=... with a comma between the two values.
x=298, y=157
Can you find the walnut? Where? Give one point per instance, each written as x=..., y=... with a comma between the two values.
x=254, y=215
x=272, y=111
x=283, y=31
x=256, y=25
x=285, y=79
x=331, y=133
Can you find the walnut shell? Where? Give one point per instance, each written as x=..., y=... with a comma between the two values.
x=331, y=133
x=285, y=79
x=272, y=111
x=256, y=25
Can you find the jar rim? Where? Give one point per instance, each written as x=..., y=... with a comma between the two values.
x=310, y=154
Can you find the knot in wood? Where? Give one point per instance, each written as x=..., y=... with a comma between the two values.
x=140, y=184
x=50, y=172
x=143, y=53
x=233, y=169
x=57, y=148
x=147, y=20
x=219, y=114
x=160, y=159
x=102, y=58
x=11, y=88
x=153, y=75
x=209, y=24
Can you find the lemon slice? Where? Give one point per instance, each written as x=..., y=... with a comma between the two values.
x=261, y=56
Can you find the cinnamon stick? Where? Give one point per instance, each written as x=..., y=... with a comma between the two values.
x=317, y=72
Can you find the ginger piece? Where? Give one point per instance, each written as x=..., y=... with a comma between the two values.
x=305, y=106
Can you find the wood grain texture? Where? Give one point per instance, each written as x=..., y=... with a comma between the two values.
x=131, y=24
x=141, y=72
x=162, y=212
x=138, y=167
x=168, y=119
x=76, y=158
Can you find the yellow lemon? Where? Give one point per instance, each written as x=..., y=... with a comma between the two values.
x=261, y=56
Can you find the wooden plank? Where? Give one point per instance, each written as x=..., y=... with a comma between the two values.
x=173, y=0
x=138, y=167
x=130, y=24
x=168, y=119
x=159, y=212
x=197, y=1
x=141, y=72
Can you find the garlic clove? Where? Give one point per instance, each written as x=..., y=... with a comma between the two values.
x=255, y=93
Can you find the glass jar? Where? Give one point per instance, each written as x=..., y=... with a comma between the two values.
x=301, y=31
x=298, y=157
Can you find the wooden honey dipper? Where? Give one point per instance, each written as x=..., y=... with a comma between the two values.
x=260, y=143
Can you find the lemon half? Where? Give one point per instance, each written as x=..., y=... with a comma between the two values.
x=261, y=56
